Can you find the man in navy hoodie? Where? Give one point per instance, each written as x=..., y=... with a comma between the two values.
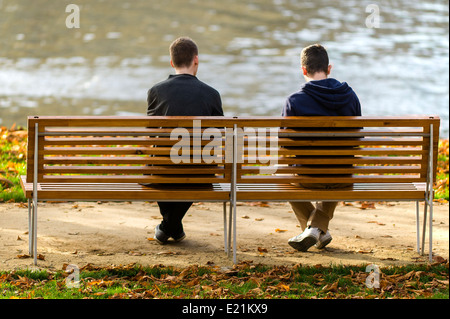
x=319, y=96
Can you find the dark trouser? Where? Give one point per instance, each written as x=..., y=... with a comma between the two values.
x=173, y=213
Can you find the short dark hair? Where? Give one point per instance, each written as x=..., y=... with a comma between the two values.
x=315, y=59
x=182, y=52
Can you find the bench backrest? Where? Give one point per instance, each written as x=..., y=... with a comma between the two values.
x=127, y=149
x=269, y=149
x=337, y=149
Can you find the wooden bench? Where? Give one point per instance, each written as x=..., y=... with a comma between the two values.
x=384, y=158
x=240, y=159
x=109, y=158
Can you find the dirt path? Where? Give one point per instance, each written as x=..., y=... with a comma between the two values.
x=117, y=233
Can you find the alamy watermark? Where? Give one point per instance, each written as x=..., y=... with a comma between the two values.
x=73, y=19
x=73, y=279
x=373, y=19
x=262, y=146
x=373, y=279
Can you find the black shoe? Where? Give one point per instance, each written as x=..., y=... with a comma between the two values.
x=160, y=236
x=180, y=237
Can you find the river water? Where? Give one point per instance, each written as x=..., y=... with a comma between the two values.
x=393, y=53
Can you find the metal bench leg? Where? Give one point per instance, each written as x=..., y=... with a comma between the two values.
x=225, y=240
x=430, y=193
x=424, y=229
x=35, y=191
x=232, y=217
x=418, y=227
x=431, y=232
x=230, y=228
x=30, y=230
x=234, y=232
x=35, y=233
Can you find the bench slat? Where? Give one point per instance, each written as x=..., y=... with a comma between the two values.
x=131, y=170
x=382, y=160
x=130, y=160
x=367, y=141
x=336, y=170
x=113, y=141
x=326, y=151
x=330, y=179
x=125, y=191
x=289, y=192
x=160, y=179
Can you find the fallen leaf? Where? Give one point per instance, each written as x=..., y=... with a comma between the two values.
x=439, y=259
x=283, y=287
x=135, y=253
x=333, y=287
x=444, y=282
x=280, y=230
x=262, y=250
x=375, y=222
x=245, y=217
x=260, y=204
x=367, y=205
x=167, y=253
x=101, y=283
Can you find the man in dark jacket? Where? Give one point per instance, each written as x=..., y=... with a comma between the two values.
x=181, y=94
x=319, y=96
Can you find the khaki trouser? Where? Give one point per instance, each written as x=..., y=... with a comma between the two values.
x=316, y=216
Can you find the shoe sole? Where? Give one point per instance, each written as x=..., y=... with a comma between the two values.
x=179, y=239
x=304, y=244
x=159, y=241
x=323, y=244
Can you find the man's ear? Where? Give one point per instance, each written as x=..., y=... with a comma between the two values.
x=171, y=64
x=304, y=70
x=329, y=69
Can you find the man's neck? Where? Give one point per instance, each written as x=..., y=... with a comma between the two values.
x=316, y=76
x=184, y=71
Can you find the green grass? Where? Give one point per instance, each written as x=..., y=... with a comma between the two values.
x=244, y=281
x=12, y=165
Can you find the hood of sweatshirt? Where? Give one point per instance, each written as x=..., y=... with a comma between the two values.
x=330, y=93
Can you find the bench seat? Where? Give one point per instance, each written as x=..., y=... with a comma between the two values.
x=126, y=192
x=359, y=192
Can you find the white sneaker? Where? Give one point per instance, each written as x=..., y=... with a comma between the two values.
x=324, y=239
x=306, y=239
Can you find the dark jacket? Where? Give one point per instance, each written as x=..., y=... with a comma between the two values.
x=327, y=97
x=183, y=95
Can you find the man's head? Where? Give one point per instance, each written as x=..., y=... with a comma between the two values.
x=184, y=54
x=315, y=63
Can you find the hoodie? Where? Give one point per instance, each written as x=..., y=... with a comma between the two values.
x=327, y=97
